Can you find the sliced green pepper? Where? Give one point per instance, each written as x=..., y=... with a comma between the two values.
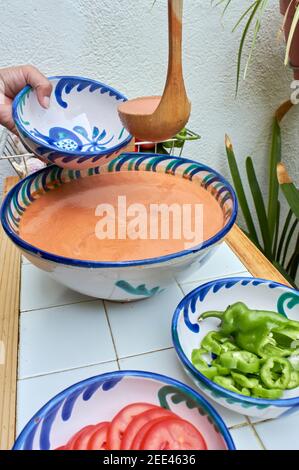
x=197, y=359
x=221, y=369
x=229, y=384
x=202, y=365
x=212, y=342
x=276, y=373
x=243, y=361
x=209, y=372
x=294, y=380
x=260, y=342
x=243, y=381
x=261, y=392
x=228, y=345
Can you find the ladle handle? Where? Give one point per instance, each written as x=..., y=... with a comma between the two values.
x=175, y=18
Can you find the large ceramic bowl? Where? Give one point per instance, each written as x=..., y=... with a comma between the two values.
x=99, y=398
x=257, y=294
x=124, y=280
x=81, y=128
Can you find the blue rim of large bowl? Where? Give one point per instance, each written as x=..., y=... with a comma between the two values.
x=130, y=373
x=283, y=402
x=19, y=124
x=117, y=264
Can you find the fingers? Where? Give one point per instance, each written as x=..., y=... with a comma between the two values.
x=40, y=83
x=6, y=118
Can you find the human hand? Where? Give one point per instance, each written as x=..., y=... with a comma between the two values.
x=13, y=80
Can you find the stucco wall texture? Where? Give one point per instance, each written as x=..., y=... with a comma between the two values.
x=124, y=43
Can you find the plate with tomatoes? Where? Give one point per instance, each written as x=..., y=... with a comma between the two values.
x=126, y=410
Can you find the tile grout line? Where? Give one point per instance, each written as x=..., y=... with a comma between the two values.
x=60, y=305
x=117, y=359
x=239, y=425
x=66, y=370
x=256, y=434
x=111, y=333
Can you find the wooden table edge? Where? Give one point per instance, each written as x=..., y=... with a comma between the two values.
x=10, y=272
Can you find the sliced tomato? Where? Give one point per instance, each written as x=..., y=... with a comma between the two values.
x=120, y=422
x=78, y=437
x=173, y=434
x=136, y=444
x=61, y=448
x=98, y=439
x=138, y=422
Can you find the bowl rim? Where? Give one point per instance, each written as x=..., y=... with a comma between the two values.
x=128, y=373
x=280, y=402
x=118, y=264
x=21, y=127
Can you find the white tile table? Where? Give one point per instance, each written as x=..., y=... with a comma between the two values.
x=66, y=337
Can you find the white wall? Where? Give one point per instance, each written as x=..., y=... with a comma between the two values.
x=124, y=43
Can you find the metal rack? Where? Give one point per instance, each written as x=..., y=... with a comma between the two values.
x=24, y=163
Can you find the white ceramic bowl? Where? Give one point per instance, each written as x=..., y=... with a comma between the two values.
x=81, y=128
x=187, y=335
x=99, y=398
x=124, y=280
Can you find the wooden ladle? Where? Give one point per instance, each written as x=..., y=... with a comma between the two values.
x=153, y=118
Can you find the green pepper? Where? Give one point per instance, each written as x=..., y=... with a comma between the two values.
x=260, y=342
x=209, y=372
x=244, y=361
x=212, y=342
x=261, y=392
x=228, y=345
x=294, y=380
x=202, y=365
x=221, y=369
x=229, y=384
x=276, y=373
x=238, y=318
x=243, y=381
x=197, y=359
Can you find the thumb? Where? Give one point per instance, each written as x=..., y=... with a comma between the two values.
x=39, y=83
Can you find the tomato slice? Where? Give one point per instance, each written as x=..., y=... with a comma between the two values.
x=76, y=437
x=61, y=448
x=120, y=422
x=136, y=444
x=138, y=422
x=173, y=434
x=98, y=439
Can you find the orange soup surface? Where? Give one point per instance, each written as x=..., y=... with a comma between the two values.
x=118, y=217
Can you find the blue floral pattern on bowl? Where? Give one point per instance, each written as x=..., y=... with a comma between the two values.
x=81, y=129
x=259, y=294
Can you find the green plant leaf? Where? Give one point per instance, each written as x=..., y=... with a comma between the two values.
x=259, y=206
x=240, y=190
x=288, y=241
x=291, y=194
x=275, y=243
x=293, y=265
x=246, y=12
x=275, y=158
x=284, y=273
x=283, y=235
x=255, y=34
x=243, y=39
